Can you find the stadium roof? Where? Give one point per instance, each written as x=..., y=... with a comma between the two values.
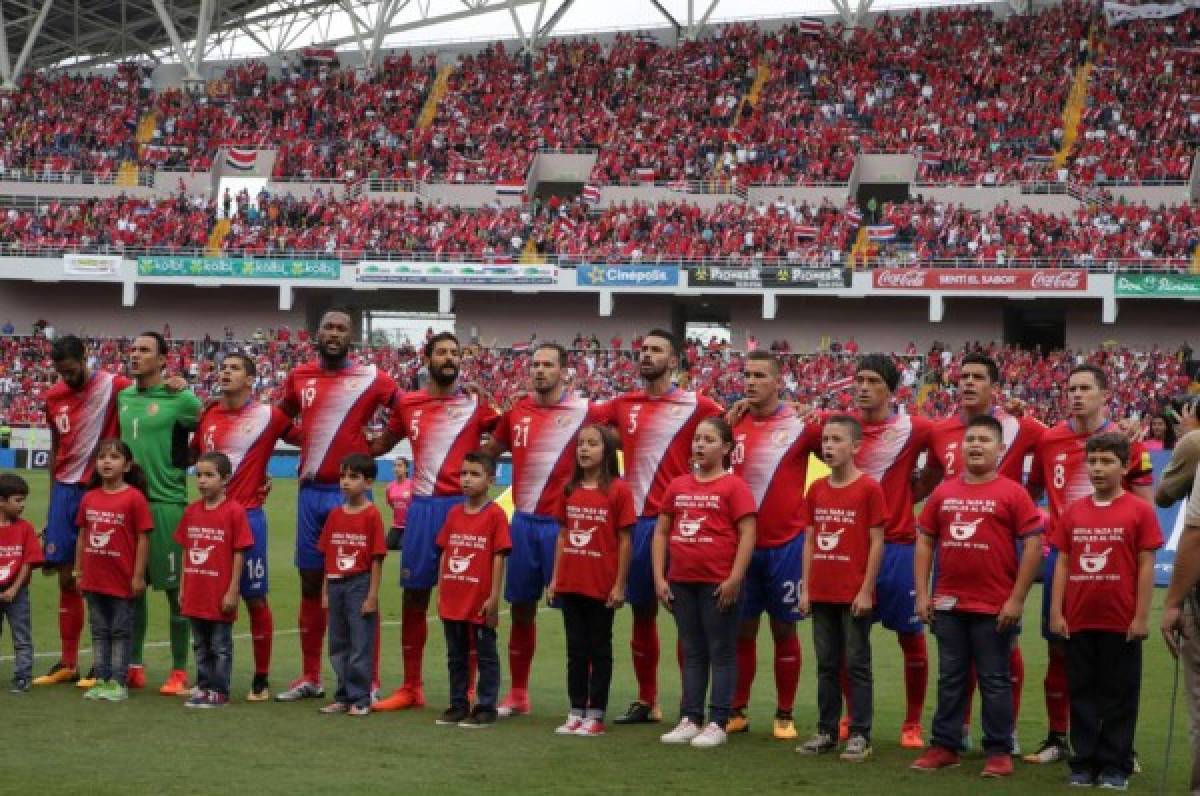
x=44, y=33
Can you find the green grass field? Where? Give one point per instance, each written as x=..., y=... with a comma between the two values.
x=55, y=742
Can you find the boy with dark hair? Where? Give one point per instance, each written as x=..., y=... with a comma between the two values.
x=19, y=553
x=1103, y=583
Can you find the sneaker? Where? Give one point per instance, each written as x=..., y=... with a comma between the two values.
x=136, y=678
x=1112, y=781
x=1016, y=746
x=935, y=757
x=1081, y=779
x=480, y=718
x=783, y=728
x=20, y=685
x=451, y=717
x=819, y=744
x=59, y=673
x=260, y=689
x=712, y=735
x=359, y=710
x=965, y=744
x=96, y=691
x=911, y=736
x=998, y=766
x=1135, y=765
x=738, y=722
x=332, y=709
x=114, y=692
x=176, y=684
x=844, y=729
x=857, y=750
x=570, y=726
x=300, y=689
x=684, y=732
x=639, y=713
x=217, y=700
x=403, y=698
x=590, y=728
x=515, y=704
x=1052, y=750
x=88, y=682
x=197, y=700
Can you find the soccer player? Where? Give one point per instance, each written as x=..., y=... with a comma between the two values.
x=772, y=445
x=1060, y=472
x=332, y=398
x=443, y=422
x=82, y=410
x=978, y=394
x=245, y=430
x=155, y=422
x=540, y=431
x=892, y=443
x=656, y=425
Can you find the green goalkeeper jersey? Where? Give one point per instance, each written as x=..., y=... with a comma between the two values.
x=155, y=424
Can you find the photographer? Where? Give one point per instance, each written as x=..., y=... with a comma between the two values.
x=1181, y=613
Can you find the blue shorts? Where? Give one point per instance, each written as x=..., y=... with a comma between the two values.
x=418, y=547
x=773, y=582
x=1048, y=564
x=531, y=562
x=61, y=532
x=313, y=503
x=254, y=567
x=639, y=590
x=895, y=590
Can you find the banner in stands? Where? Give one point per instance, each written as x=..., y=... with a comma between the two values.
x=239, y=268
x=767, y=276
x=627, y=275
x=1054, y=280
x=1158, y=285
x=1116, y=13
x=1170, y=521
x=457, y=273
x=91, y=264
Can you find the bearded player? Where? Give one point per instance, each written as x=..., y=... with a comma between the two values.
x=332, y=399
x=656, y=425
x=772, y=445
x=245, y=430
x=1060, y=472
x=540, y=431
x=81, y=410
x=443, y=422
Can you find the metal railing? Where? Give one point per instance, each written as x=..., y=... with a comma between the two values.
x=145, y=177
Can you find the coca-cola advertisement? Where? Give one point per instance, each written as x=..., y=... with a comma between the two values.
x=1053, y=280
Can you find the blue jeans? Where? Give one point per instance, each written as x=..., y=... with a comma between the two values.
x=20, y=624
x=709, y=639
x=351, y=638
x=213, y=644
x=963, y=639
x=111, y=619
x=459, y=636
x=841, y=639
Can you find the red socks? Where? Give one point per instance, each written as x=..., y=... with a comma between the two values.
x=1058, y=702
x=262, y=633
x=916, y=674
x=522, y=642
x=1016, y=671
x=70, y=625
x=747, y=662
x=645, y=657
x=787, y=670
x=413, y=631
x=313, y=621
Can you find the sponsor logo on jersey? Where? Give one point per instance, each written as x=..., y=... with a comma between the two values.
x=345, y=561
x=827, y=541
x=458, y=564
x=152, y=409
x=582, y=537
x=961, y=530
x=198, y=556
x=690, y=526
x=99, y=539
x=5, y=572
x=1090, y=562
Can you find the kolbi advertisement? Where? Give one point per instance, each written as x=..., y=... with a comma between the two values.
x=418, y=273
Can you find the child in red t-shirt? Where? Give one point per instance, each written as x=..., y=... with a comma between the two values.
x=19, y=553
x=474, y=541
x=591, y=566
x=1103, y=583
x=110, y=562
x=354, y=545
x=842, y=553
x=702, y=546
x=214, y=534
x=975, y=524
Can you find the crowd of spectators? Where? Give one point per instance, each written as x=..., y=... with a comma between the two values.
x=1141, y=381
